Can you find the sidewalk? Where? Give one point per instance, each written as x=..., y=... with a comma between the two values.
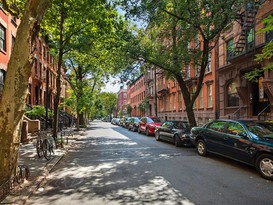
x=39, y=169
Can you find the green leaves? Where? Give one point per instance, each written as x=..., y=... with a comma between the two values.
x=267, y=53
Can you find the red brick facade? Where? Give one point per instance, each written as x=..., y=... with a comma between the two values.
x=238, y=97
x=136, y=95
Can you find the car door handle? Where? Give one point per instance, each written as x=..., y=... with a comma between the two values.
x=225, y=138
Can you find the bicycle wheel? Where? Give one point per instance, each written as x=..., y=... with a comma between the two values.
x=39, y=148
x=46, y=149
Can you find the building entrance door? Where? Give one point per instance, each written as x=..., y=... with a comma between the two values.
x=260, y=101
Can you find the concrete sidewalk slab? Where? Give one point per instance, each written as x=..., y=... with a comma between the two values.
x=39, y=169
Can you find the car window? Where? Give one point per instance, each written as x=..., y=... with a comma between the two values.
x=259, y=130
x=235, y=129
x=155, y=119
x=136, y=120
x=181, y=125
x=143, y=119
x=217, y=126
x=165, y=124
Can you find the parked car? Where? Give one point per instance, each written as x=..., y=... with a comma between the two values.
x=117, y=121
x=126, y=122
x=121, y=121
x=113, y=121
x=177, y=132
x=148, y=124
x=249, y=142
x=133, y=124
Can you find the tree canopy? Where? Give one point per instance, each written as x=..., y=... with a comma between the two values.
x=181, y=35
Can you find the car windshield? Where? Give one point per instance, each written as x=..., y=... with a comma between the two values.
x=261, y=129
x=155, y=119
x=136, y=119
x=181, y=125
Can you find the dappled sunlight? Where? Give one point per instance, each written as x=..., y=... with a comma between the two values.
x=155, y=191
x=105, y=183
x=110, y=169
x=113, y=142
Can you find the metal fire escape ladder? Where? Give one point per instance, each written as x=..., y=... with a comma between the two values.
x=247, y=21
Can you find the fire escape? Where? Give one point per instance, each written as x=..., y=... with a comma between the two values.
x=246, y=19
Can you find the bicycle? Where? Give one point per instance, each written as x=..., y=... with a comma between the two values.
x=44, y=145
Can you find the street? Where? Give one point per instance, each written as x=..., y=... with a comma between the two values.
x=111, y=165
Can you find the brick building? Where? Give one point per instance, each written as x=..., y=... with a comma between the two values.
x=136, y=95
x=122, y=101
x=238, y=97
x=42, y=82
x=8, y=28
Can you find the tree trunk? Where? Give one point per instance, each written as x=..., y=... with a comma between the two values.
x=187, y=99
x=58, y=80
x=12, y=106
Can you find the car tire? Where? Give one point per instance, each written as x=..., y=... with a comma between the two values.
x=157, y=136
x=264, y=166
x=201, y=148
x=147, y=131
x=177, y=141
x=138, y=130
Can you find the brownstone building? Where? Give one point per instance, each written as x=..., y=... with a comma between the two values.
x=42, y=82
x=238, y=97
x=136, y=95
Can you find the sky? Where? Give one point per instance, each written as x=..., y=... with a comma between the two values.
x=111, y=88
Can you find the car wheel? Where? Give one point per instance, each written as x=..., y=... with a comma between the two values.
x=264, y=166
x=157, y=136
x=138, y=130
x=201, y=148
x=177, y=141
x=147, y=131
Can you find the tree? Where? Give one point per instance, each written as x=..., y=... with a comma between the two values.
x=129, y=109
x=179, y=23
x=143, y=106
x=108, y=102
x=12, y=105
x=89, y=31
x=267, y=53
x=62, y=24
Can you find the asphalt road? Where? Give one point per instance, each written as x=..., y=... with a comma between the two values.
x=111, y=165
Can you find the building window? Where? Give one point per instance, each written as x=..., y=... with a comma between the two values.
x=209, y=95
x=188, y=71
x=250, y=39
x=171, y=102
x=208, y=68
x=125, y=95
x=193, y=92
x=232, y=96
x=167, y=103
x=201, y=98
x=35, y=67
x=174, y=101
x=196, y=42
x=230, y=49
x=268, y=34
x=2, y=38
x=180, y=101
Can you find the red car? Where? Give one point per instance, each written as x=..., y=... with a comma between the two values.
x=148, y=125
